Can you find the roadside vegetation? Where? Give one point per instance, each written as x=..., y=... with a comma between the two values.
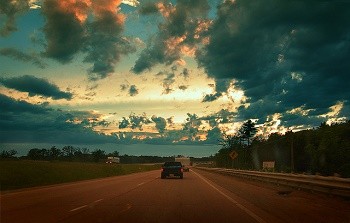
x=324, y=150
x=16, y=174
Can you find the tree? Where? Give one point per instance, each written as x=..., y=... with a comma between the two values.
x=8, y=154
x=114, y=153
x=54, y=153
x=38, y=154
x=229, y=141
x=98, y=155
x=247, y=131
x=68, y=151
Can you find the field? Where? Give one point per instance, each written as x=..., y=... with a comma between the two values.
x=25, y=173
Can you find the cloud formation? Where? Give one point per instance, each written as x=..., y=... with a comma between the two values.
x=178, y=35
x=22, y=122
x=21, y=56
x=91, y=27
x=133, y=90
x=161, y=123
x=282, y=54
x=10, y=10
x=35, y=86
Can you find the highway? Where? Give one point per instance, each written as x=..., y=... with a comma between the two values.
x=144, y=197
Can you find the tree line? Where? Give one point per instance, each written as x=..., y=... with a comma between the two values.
x=324, y=150
x=75, y=154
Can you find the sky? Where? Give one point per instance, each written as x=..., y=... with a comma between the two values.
x=165, y=72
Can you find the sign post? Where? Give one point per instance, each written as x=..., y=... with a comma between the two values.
x=233, y=154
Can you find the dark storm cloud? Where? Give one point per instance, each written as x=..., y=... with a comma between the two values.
x=283, y=54
x=35, y=86
x=105, y=45
x=94, y=28
x=64, y=32
x=21, y=56
x=9, y=105
x=177, y=31
x=22, y=122
x=10, y=10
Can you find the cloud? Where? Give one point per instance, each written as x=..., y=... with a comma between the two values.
x=134, y=121
x=10, y=10
x=133, y=90
x=148, y=8
x=35, y=86
x=183, y=87
x=283, y=55
x=18, y=55
x=105, y=44
x=91, y=27
x=185, y=73
x=63, y=30
x=160, y=123
x=133, y=3
x=11, y=106
x=183, y=27
x=22, y=122
x=124, y=87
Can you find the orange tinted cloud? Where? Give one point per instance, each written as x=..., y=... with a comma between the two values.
x=82, y=8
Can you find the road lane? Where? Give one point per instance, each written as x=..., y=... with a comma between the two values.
x=166, y=200
x=144, y=197
x=49, y=204
x=277, y=203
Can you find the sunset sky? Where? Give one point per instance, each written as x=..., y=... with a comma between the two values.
x=105, y=71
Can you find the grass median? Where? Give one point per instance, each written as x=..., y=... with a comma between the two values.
x=25, y=173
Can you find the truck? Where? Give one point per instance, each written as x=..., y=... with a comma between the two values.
x=113, y=159
x=172, y=169
x=185, y=161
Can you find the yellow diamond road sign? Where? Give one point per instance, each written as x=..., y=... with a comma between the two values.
x=233, y=154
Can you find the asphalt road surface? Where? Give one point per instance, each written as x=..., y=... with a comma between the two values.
x=144, y=197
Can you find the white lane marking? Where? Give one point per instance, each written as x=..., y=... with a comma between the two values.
x=84, y=206
x=76, y=209
x=141, y=184
x=257, y=218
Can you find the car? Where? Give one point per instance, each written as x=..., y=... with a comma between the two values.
x=172, y=169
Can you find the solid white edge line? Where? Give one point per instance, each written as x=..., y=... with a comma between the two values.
x=257, y=218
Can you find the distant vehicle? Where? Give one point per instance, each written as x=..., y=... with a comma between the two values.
x=185, y=161
x=172, y=169
x=113, y=159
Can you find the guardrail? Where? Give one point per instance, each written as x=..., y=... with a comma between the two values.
x=329, y=185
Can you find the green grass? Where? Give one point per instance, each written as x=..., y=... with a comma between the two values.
x=25, y=173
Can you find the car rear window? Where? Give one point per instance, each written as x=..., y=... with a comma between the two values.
x=172, y=164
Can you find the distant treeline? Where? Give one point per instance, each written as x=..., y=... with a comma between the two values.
x=70, y=153
x=324, y=150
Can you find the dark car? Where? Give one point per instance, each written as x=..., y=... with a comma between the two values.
x=172, y=169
